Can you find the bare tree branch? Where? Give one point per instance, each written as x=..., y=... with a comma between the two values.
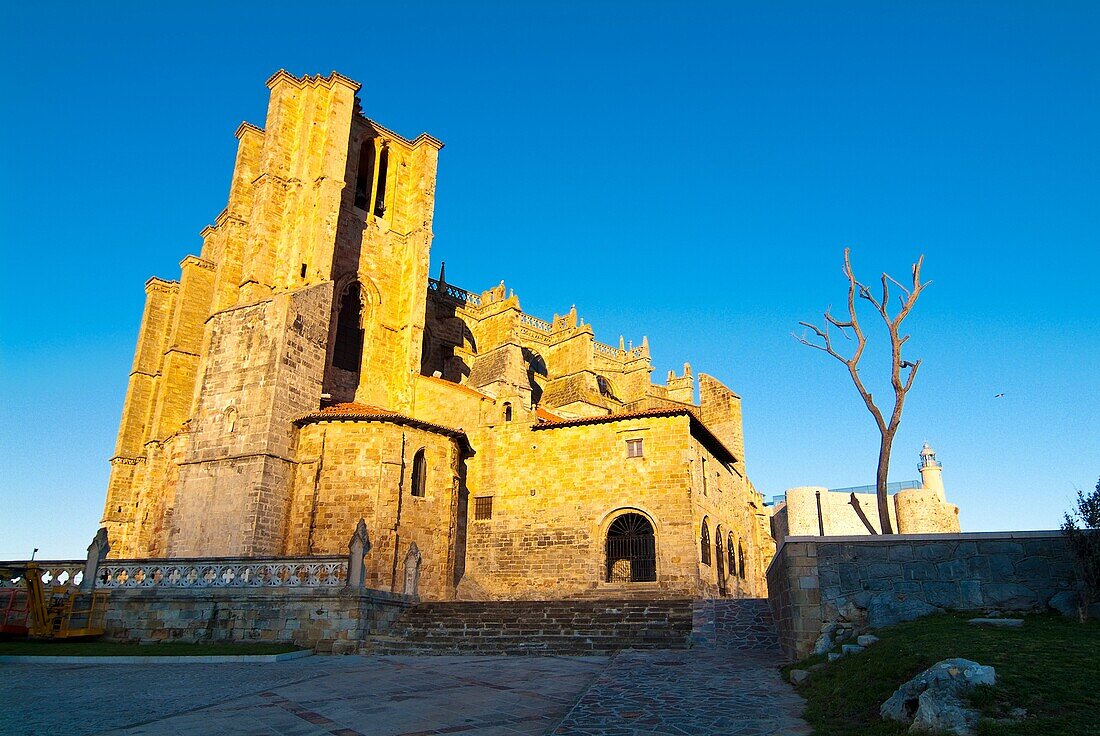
x=908, y=298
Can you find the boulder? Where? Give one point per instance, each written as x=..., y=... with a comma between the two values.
x=834, y=656
x=823, y=644
x=887, y=609
x=931, y=701
x=851, y=649
x=1066, y=603
x=799, y=676
x=998, y=623
x=867, y=640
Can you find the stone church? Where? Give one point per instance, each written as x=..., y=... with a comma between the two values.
x=305, y=372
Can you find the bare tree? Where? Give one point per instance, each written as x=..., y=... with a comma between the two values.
x=823, y=341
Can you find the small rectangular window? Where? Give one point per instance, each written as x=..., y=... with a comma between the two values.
x=633, y=448
x=483, y=508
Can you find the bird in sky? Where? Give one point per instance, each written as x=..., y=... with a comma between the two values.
x=998, y=396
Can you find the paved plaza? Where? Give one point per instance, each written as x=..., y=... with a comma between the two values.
x=696, y=691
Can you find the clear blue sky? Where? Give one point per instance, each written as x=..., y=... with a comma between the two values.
x=690, y=172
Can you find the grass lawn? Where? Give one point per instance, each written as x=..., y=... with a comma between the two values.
x=117, y=649
x=1051, y=667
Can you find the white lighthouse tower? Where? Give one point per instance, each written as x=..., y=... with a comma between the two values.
x=931, y=472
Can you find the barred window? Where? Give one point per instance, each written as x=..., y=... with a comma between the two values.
x=633, y=448
x=483, y=508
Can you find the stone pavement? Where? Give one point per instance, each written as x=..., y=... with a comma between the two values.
x=683, y=693
x=726, y=684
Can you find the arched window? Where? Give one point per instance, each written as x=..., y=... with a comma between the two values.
x=348, y=350
x=741, y=560
x=704, y=543
x=631, y=550
x=507, y=411
x=731, y=554
x=380, y=192
x=364, y=179
x=720, y=559
x=419, y=474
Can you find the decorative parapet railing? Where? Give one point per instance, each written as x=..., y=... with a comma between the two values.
x=538, y=324
x=619, y=353
x=223, y=572
x=454, y=293
x=54, y=573
x=602, y=349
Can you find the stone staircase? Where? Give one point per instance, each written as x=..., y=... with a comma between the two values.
x=575, y=627
x=741, y=624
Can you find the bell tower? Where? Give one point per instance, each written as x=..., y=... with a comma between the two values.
x=312, y=281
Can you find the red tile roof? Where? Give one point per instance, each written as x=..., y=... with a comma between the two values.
x=544, y=416
x=459, y=386
x=351, y=411
x=697, y=425
x=599, y=419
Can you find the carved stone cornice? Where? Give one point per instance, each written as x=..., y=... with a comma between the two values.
x=247, y=127
x=333, y=79
x=200, y=262
x=156, y=283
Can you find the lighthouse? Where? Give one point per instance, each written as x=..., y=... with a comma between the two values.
x=931, y=472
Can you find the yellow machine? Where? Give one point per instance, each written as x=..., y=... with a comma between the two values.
x=62, y=612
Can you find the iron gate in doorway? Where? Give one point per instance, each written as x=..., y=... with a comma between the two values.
x=631, y=550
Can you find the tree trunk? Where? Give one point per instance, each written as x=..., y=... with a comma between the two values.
x=880, y=482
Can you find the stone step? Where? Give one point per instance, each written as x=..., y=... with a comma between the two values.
x=557, y=627
x=522, y=645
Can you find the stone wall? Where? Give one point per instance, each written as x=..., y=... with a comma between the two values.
x=815, y=511
x=263, y=367
x=326, y=620
x=556, y=489
x=350, y=470
x=813, y=581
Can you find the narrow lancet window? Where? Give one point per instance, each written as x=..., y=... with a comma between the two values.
x=348, y=350
x=507, y=412
x=380, y=195
x=419, y=474
x=364, y=179
x=704, y=543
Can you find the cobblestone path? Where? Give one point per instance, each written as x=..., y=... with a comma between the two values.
x=727, y=683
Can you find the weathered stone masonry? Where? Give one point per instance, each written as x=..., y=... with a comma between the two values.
x=816, y=580
x=305, y=373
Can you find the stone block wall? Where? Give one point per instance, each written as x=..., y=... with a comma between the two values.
x=264, y=367
x=325, y=620
x=816, y=580
x=556, y=489
x=352, y=470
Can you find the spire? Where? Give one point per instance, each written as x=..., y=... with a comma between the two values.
x=442, y=272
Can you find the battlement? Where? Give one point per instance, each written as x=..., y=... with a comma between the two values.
x=561, y=327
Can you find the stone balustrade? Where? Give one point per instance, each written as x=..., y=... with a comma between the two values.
x=216, y=572
x=53, y=573
x=312, y=572
x=454, y=292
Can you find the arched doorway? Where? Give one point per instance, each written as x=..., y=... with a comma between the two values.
x=631, y=550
